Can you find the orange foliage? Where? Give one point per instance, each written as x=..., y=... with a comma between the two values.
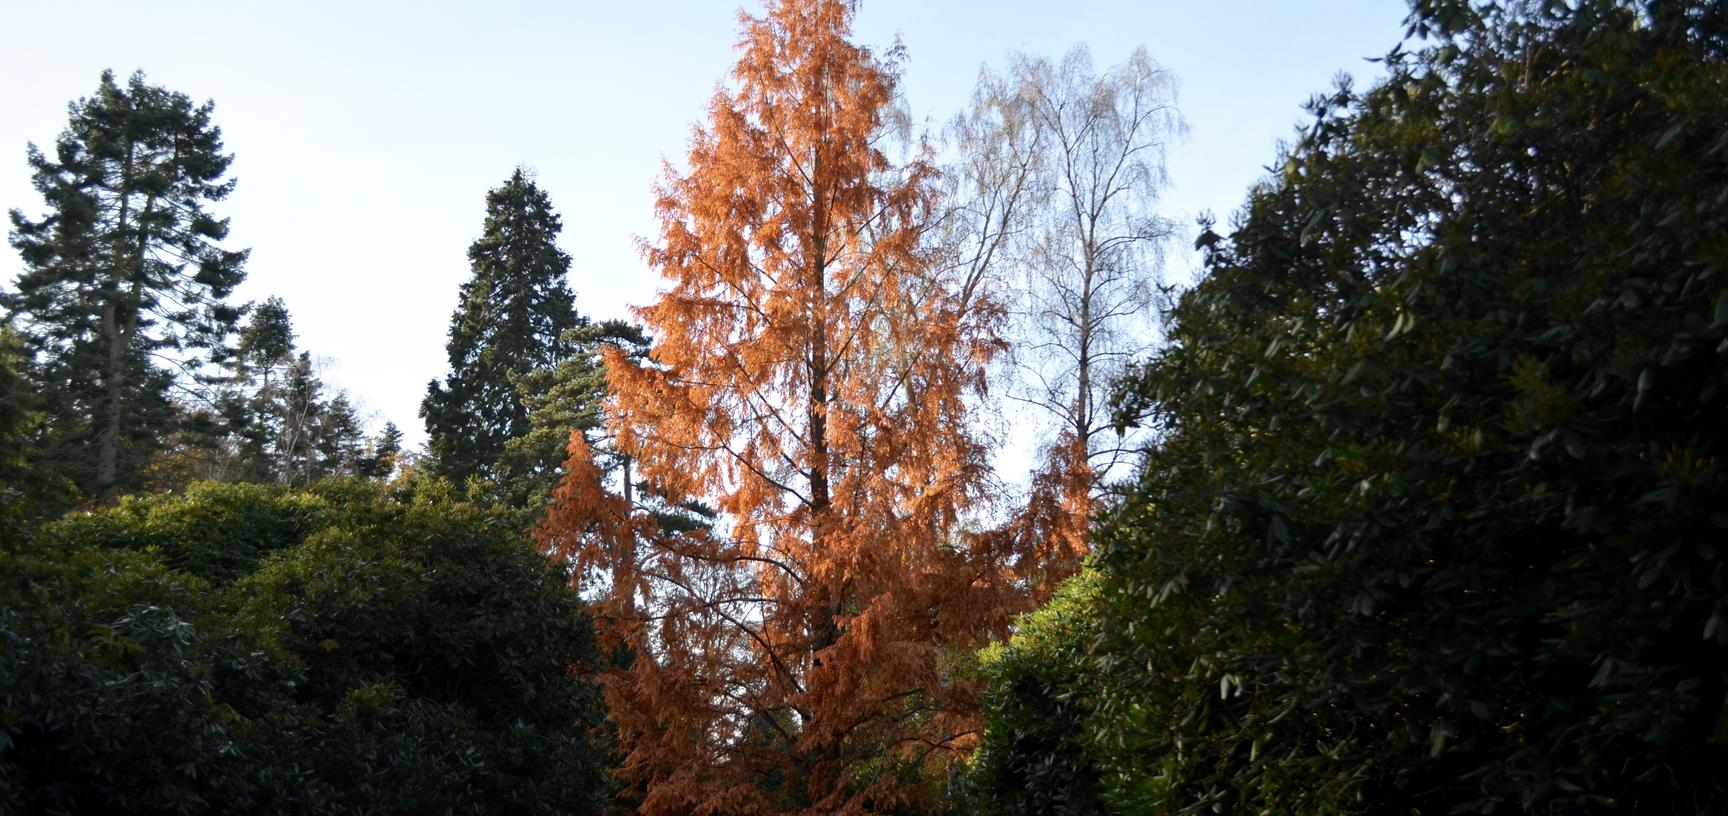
x=809, y=378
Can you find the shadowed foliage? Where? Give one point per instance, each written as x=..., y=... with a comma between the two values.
x=330, y=650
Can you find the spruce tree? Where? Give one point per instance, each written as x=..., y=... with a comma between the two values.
x=302, y=407
x=337, y=439
x=511, y=321
x=252, y=411
x=124, y=291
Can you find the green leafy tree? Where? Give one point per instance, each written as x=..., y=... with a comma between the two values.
x=126, y=690
x=1433, y=519
x=511, y=321
x=453, y=665
x=125, y=285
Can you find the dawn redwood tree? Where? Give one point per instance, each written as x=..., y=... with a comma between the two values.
x=124, y=293
x=809, y=375
x=511, y=321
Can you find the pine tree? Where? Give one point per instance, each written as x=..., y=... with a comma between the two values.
x=511, y=321
x=567, y=398
x=124, y=290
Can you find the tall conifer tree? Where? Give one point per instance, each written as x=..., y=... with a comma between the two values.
x=809, y=378
x=383, y=454
x=511, y=321
x=124, y=293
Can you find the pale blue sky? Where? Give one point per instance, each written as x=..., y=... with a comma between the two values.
x=367, y=134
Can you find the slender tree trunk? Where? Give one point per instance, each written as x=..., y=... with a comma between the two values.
x=108, y=441
x=629, y=550
x=824, y=631
x=1083, y=388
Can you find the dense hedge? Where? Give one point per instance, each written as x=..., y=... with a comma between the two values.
x=252, y=649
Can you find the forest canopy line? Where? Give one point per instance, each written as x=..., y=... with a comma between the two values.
x=1413, y=502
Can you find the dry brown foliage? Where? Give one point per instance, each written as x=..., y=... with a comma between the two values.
x=810, y=376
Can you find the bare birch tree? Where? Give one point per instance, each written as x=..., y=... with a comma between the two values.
x=1061, y=169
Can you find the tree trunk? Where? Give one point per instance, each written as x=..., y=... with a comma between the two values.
x=824, y=631
x=108, y=441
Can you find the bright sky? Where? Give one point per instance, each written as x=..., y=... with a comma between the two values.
x=366, y=134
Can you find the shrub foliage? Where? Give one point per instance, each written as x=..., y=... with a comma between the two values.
x=251, y=649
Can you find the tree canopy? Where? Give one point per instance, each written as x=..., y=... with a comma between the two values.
x=809, y=377
x=1425, y=513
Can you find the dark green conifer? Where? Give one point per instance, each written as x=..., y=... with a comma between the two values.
x=124, y=291
x=565, y=398
x=511, y=322
x=338, y=440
